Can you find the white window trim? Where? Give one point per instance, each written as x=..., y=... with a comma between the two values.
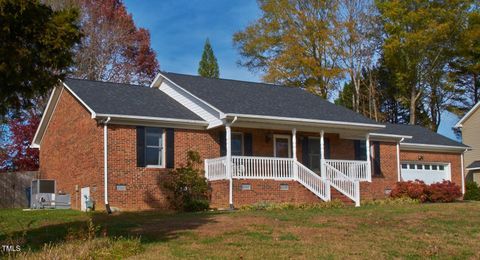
x=161, y=166
x=289, y=144
x=242, y=142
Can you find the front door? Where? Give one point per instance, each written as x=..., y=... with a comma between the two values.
x=282, y=146
x=313, y=153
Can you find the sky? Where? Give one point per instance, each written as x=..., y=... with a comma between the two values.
x=179, y=29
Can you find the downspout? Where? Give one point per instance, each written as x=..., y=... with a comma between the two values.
x=463, y=173
x=398, y=160
x=105, y=164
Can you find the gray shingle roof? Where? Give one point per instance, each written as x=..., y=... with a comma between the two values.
x=475, y=164
x=242, y=97
x=420, y=135
x=126, y=99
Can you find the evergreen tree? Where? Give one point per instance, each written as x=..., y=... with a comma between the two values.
x=208, y=66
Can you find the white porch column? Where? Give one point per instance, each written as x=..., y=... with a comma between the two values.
x=463, y=173
x=294, y=150
x=228, y=136
x=369, y=163
x=322, y=154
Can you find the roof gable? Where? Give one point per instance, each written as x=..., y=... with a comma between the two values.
x=471, y=112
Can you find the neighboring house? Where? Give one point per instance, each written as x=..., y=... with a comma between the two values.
x=469, y=126
x=114, y=143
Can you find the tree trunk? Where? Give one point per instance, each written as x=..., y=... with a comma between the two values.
x=413, y=99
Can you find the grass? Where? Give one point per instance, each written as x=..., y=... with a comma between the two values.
x=439, y=231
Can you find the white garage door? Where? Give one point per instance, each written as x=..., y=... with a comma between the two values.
x=427, y=172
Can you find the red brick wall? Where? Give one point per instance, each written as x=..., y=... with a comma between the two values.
x=145, y=185
x=262, y=191
x=388, y=179
x=71, y=150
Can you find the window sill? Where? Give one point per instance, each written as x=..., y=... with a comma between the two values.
x=155, y=167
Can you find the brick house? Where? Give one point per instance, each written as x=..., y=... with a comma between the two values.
x=114, y=143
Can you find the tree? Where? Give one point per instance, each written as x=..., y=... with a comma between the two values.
x=294, y=43
x=208, y=66
x=358, y=41
x=18, y=155
x=419, y=35
x=113, y=48
x=35, y=50
x=465, y=67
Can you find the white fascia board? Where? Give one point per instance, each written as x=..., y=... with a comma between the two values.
x=473, y=169
x=47, y=115
x=195, y=104
x=467, y=115
x=121, y=119
x=283, y=120
x=432, y=147
x=80, y=100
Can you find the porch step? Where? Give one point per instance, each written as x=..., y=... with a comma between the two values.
x=337, y=195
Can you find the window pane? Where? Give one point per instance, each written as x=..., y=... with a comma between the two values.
x=404, y=166
x=419, y=166
x=237, y=144
x=412, y=166
x=427, y=167
x=152, y=156
x=441, y=168
x=434, y=167
x=153, y=136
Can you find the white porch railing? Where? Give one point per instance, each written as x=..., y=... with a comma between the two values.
x=346, y=185
x=253, y=167
x=216, y=169
x=357, y=170
x=313, y=182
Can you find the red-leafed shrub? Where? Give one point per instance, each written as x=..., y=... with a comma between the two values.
x=445, y=191
x=413, y=189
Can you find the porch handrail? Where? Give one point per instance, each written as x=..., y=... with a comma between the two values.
x=313, y=182
x=216, y=169
x=357, y=170
x=346, y=185
x=256, y=167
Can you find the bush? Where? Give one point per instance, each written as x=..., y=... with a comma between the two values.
x=391, y=201
x=445, y=191
x=417, y=190
x=472, y=191
x=187, y=186
x=268, y=206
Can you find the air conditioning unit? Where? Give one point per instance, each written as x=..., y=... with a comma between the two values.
x=43, y=194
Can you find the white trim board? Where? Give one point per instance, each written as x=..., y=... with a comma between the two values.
x=467, y=115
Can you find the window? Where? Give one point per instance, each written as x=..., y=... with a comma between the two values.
x=441, y=167
x=283, y=186
x=360, y=150
x=427, y=167
x=404, y=166
x=281, y=146
x=154, y=147
x=237, y=144
x=412, y=166
x=434, y=167
x=246, y=186
x=419, y=166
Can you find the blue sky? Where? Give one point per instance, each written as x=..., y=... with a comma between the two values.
x=179, y=28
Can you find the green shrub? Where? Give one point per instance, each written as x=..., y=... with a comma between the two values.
x=392, y=201
x=187, y=186
x=472, y=191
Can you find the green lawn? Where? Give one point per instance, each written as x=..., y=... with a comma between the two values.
x=444, y=231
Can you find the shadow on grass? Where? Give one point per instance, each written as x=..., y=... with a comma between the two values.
x=149, y=226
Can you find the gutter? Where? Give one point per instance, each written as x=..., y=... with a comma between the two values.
x=105, y=164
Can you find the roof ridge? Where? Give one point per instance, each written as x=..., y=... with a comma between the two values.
x=236, y=80
x=108, y=82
